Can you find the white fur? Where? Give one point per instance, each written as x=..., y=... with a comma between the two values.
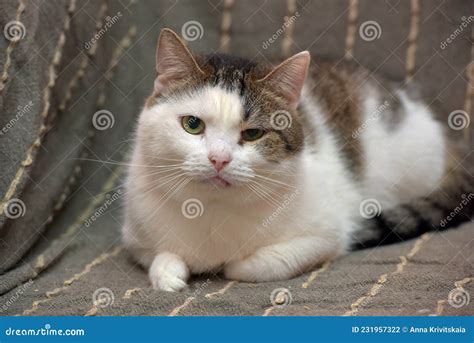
x=406, y=162
x=314, y=194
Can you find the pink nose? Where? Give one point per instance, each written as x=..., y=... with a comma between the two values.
x=219, y=161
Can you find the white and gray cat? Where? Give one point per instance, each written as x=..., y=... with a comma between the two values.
x=282, y=165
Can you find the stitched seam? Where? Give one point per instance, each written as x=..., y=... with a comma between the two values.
x=129, y=292
x=226, y=25
x=412, y=39
x=377, y=287
x=78, y=222
x=222, y=290
x=315, y=274
x=78, y=167
x=459, y=285
x=470, y=88
x=85, y=59
x=57, y=54
x=94, y=309
x=176, y=310
x=50, y=295
x=124, y=43
x=304, y=285
x=91, y=134
x=287, y=41
x=352, y=17
x=10, y=48
x=72, y=179
x=268, y=311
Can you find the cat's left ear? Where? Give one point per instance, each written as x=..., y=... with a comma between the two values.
x=174, y=61
x=288, y=78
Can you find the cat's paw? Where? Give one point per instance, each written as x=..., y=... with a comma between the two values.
x=168, y=282
x=242, y=270
x=168, y=272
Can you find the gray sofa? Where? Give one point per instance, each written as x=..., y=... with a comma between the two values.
x=62, y=61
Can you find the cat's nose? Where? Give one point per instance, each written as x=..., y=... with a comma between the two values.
x=219, y=161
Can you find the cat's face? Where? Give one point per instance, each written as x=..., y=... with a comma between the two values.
x=222, y=121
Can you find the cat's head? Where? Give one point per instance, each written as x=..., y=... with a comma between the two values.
x=223, y=120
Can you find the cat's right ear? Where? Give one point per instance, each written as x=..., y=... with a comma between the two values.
x=173, y=60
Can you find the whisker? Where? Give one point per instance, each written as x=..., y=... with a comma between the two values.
x=267, y=194
x=128, y=164
x=282, y=172
x=262, y=195
x=281, y=183
x=168, y=195
x=161, y=182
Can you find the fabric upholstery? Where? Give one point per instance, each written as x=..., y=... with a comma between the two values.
x=51, y=154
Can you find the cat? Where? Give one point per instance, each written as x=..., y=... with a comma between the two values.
x=264, y=173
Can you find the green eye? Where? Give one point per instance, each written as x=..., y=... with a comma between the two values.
x=252, y=134
x=193, y=125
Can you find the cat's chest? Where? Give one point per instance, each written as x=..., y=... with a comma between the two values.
x=214, y=238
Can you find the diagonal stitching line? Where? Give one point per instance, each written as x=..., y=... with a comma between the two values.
x=101, y=98
x=377, y=287
x=57, y=54
x=412, y=39
x=81, y=218
x=10, y=48
x=470, y=87
x=186, y=303
x=226, y=24
x=305, y=284
x=85, y=59
x=351, y=28
x=287, y=40
x=67, y=283
x=458, y=284
x=222, y=290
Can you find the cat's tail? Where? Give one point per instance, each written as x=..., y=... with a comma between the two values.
x=448, y=206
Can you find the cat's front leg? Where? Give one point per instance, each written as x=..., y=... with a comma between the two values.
x=168, y=272
x=282, y=261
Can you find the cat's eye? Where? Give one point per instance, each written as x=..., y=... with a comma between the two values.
x=250, y=135
x=193, y=125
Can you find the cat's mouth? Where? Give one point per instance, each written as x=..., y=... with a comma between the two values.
x=219, y=181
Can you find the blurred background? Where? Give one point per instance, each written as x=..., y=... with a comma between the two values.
x=74, y=75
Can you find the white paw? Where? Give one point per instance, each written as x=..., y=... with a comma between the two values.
x=262, y=266
x=168, y=272
x=169, y=283
x=240, y=270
